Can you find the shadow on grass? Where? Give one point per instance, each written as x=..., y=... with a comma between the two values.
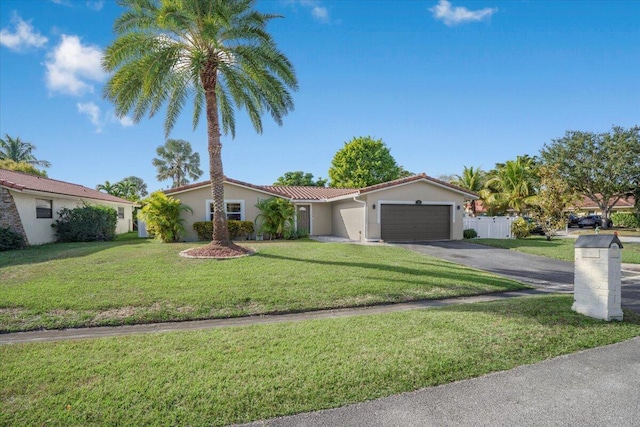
x=459, y=273
x=53, y=251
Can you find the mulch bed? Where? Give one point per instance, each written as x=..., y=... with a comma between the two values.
x=217, y=252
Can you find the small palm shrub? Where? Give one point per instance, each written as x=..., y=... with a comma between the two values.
x=470, y=233
x=161, y=214
x=9, y=239
x=86, y=224
x=276, y=217
x=520, y=228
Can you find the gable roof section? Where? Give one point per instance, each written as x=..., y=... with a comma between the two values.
x=300, y=193
x=416, y=178
x=24, y=182
x=588, y=203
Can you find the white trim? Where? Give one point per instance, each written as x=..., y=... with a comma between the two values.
x=50, y=194
x=207, y=208
x=208, y=184
x=399, y=202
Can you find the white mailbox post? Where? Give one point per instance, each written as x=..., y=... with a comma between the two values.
x=598, y=277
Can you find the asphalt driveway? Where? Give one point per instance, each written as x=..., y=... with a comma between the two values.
x=543, y=273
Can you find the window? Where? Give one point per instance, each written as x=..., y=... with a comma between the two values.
x=233, y=208
x=120, y=212
x=44, y=208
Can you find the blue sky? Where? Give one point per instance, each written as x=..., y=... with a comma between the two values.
x=445, y=84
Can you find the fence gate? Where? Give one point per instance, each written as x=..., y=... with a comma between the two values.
x=491, y=227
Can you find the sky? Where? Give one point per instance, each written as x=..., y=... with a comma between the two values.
x=445, y=84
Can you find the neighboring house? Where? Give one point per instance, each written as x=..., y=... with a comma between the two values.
x=30, y=204
x=589, y=207
x=417, y=208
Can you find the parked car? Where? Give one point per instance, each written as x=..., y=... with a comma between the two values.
x=534, y=226
x=572, y=220
x=593, y=221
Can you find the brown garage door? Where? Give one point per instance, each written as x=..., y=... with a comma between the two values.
x=414, y=223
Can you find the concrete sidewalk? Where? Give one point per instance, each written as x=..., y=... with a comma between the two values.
x=596, y=387
x=113, y=331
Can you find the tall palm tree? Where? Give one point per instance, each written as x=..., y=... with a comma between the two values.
x=177, y=161
x=512, y=184
x=472, y=179
x=216, y=51
x=19, y=151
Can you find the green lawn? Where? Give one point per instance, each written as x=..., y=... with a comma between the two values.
x=559, y=248
x=136, y=281
x=222, y=376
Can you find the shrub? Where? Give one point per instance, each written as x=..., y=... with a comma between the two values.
x=86, y=224
x=520, y=228
x=276, y=217
x=161, y=213
x=9, y=239
x=243, y=229
x=470, y=233
x=626, y=219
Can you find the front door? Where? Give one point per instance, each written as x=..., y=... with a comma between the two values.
x=303, y=213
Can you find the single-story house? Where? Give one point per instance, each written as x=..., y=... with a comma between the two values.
x=590, y=207
x=417, y=208
x=29, y=204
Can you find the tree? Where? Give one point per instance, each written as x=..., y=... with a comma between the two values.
x=472, y=179
x=549, y=205
x=177, y=161
x=219, y=52
x=276, y=217
x=20, y=152
x=511, y=185
x=161, y=214
x=362, y=162
x=109, y=188
x=139, y=188
x=603, y=166
x=299, y=178
x=21, y=167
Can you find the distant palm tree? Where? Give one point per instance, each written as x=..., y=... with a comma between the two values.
x=109, y=188
x=512, y=184
x=218, y=52
x=472, y=179
x=177, y=161
x=20, y=152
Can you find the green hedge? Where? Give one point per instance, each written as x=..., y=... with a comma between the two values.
x=626, y=219
x=520, y=228
x=243, y=229
x=86, y=224
x=9, y=239
x=469, y=233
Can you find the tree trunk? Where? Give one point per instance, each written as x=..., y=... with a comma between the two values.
x=220, y=231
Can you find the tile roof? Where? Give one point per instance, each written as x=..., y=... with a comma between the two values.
x=588, y=202
x=322, y=193
x=311, y=193
x=21, y=181
x=412, y=178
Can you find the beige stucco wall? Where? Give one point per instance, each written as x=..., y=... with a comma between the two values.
x=197, y=200
x=348, y=219
x=39, y=230
x=426, y=192
x=320, y=219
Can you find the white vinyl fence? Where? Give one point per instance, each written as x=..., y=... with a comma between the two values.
x=492, y=227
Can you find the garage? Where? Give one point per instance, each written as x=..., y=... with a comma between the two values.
x=415, y=222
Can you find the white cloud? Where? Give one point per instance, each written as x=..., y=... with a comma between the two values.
x=71, y=67
x=93, y=112
x=459, y=15
x=23, y=37
x=100, y=120
x=319, y=12
x=95, y=5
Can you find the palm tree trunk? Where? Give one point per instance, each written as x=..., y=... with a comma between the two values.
x=220, y=231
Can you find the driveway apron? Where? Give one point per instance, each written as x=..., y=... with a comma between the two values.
x=544, y=273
